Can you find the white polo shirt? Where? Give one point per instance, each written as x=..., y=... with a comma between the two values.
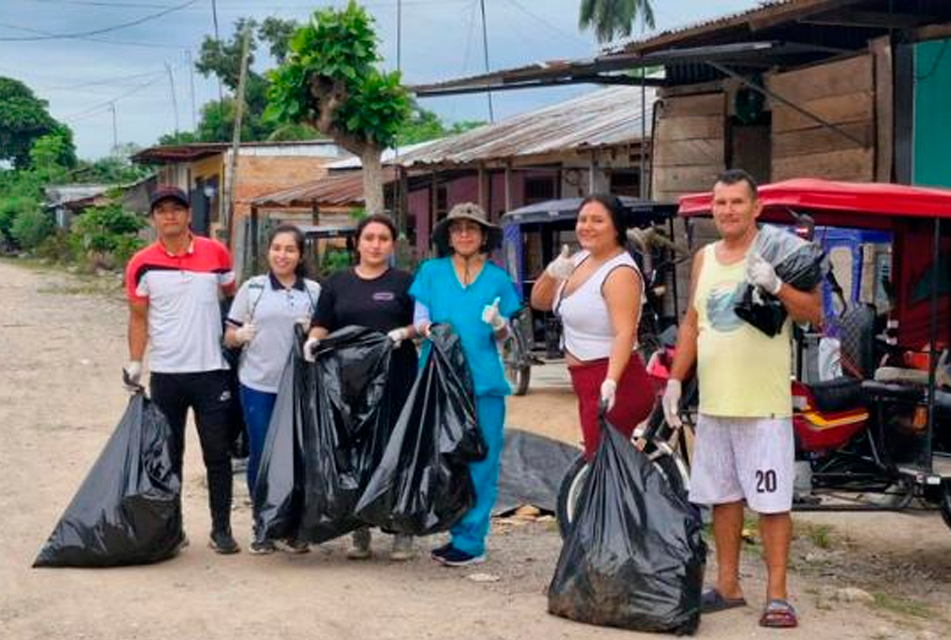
x=273, y=309
x=182, y=292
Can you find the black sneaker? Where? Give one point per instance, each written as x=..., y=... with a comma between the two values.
x=261, y=548
x=223, y=542
x=453, y=557
x=292, y=546
x=438, y=553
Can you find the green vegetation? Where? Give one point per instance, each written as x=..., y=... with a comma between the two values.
x=330, y=81
x=612, y=19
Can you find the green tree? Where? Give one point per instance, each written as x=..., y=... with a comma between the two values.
x=222, y=59
x=612, y=19
x=330, y=81
x=23, y=119
x=423, y=125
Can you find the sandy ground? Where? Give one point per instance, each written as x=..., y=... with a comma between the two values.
x=62, y=344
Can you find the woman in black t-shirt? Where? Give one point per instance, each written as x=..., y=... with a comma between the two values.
x=375, y=295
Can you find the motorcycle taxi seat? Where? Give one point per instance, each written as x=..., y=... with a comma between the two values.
x=904, y=392
x=840, y=394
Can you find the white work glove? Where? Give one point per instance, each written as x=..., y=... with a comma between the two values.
x=561, y=267
x=245, y=333
x=132, y=376
x=423, y=328
x=397, y=336
x=671, y=403
x=310, y=349
x=761, y=273
x=492, y=317
x=608, y=393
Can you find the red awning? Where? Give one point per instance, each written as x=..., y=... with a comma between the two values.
x=817, y=196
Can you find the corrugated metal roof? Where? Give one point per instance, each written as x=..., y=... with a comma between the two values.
x=765, y=7
x=386, y=157
x=602, y=118
x=337, y=190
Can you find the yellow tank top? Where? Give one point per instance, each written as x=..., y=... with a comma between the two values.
x=741, y=371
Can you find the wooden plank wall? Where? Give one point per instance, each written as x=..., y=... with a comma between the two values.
x=689, y=145
x=842, y=93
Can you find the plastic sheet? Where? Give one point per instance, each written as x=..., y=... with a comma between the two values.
x=128, y=508
x=635, y=557
x=330, y=425
x=531, y=469
x=798, y=263
x=422, y=484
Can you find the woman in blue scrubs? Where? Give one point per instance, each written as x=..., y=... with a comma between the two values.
x=476, y=298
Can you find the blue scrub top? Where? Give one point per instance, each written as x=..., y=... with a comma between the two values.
x=437, y=287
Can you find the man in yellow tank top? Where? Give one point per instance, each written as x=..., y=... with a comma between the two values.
x=744, y=448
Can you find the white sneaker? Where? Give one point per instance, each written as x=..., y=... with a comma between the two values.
x=360, y=544
x=402, y=548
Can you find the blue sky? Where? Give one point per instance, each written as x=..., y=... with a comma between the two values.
x=82, y=77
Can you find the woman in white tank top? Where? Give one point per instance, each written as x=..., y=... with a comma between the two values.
x=597, y=293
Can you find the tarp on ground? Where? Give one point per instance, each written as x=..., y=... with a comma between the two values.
x=530, y=471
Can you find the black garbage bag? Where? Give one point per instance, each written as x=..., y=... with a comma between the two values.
x=330, y=426
x=635, y=557
x=278, y=492
x=128, y=508
x=238, y=430
x=798, y=263
x=422, y=484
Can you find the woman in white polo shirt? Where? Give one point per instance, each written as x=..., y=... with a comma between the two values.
x=262, y=319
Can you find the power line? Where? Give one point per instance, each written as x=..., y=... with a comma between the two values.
x=94, y=32
x=550, y=25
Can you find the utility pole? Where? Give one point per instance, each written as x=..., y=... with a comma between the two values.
x=485, y=55
x=191, y=75
x=236, y=140
x=115, y=130
x=171, y=84
x=214, y=17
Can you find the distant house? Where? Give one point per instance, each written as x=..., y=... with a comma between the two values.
x=203, y=170
x=65, y=202
x=590, y=143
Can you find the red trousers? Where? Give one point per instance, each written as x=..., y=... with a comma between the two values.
x=633, y=401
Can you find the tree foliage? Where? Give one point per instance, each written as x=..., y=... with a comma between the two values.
x=24, y=118
x=222, y=59
x=423, y=125
x=612, y=19
x=330, y=81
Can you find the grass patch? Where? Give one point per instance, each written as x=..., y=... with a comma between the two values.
x=821, y=535
x=901, y=606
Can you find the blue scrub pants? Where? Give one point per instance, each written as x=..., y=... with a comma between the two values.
x=469, y=534
x=256, y=407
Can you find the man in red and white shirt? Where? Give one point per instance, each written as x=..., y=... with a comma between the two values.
x=174, y=286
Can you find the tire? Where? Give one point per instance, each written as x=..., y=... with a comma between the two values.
x=945, y=503
x=671, y=467
x=518, y=378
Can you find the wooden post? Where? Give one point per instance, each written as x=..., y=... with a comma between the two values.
x=483, y=187
x=403, y=190
x=236, y=139
x=255, y=240
x=508, y=186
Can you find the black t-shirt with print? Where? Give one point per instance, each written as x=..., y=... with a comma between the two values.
x=382, y=303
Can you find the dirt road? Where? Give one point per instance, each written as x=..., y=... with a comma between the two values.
x=62, y=344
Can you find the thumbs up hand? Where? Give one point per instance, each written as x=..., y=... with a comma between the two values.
x=492, y=317
x=561, y=267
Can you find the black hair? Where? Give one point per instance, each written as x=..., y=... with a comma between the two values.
x=736, y=176
x=301, y=270
x=617, y=211
x=378, y=218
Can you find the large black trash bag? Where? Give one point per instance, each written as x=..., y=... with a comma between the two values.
x=330, y=425
x=799, y=263
x=422, y=484
x=635, y=557
x=278, y=492
x=128, y=508
x=345, y=428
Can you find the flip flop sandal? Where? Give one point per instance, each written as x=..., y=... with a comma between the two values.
x=712, y=601
x=779, y=614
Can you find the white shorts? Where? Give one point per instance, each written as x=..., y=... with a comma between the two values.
x=743, y=458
